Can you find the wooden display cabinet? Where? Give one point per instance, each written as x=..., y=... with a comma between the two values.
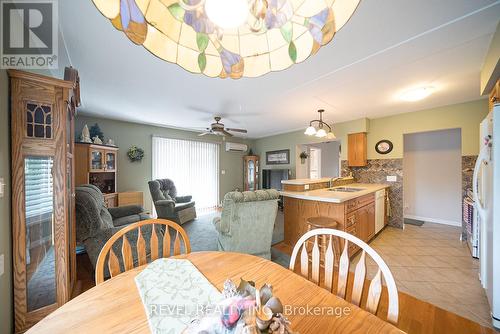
x=251, y=172
x=43, y=209
x=97, y=165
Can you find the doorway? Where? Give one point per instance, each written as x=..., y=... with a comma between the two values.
x=324, y=158
x=314, y=163
x=432, y=176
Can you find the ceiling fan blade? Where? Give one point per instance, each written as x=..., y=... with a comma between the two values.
x=200, y=110
x=237, y=130
x=226, y=133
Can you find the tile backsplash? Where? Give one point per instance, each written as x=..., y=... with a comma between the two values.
x=377, y=171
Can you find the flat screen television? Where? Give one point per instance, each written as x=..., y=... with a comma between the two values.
x=271, y=178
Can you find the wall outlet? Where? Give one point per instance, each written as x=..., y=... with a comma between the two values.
x=2, y=264
x=392, y=178
x=223, y=172
x=306, y=187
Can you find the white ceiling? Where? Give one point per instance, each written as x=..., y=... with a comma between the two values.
x=388, y=46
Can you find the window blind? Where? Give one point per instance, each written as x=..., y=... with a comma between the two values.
x=192, y=165
x=38, y=186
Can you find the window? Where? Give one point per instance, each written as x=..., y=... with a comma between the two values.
x=192, y=165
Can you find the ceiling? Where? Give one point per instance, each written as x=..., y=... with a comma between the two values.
x=387, y=47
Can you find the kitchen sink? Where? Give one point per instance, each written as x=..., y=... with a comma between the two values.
x=346, y=189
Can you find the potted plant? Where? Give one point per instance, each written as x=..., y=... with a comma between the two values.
x=303, y=156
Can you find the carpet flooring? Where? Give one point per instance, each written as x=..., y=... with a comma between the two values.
x=203, y=236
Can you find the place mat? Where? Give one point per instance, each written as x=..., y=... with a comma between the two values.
x=174, y=292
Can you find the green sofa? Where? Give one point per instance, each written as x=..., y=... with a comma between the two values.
x=247, y=222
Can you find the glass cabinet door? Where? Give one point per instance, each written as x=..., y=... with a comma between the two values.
x=110, y=161
x=251, y=175
x=96, y=160
x=39, y=226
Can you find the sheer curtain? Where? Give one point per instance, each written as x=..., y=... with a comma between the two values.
x=192, y=165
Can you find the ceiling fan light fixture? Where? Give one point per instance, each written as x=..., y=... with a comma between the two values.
x=331, y=135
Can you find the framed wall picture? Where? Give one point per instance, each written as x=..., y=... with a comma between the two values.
x=280, y=157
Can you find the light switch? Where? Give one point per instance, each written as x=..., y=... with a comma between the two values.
x=392, y=178
x=2, y=187
x=2, y=263
x=223, y=172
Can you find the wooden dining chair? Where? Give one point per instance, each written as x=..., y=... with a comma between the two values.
x=107, y=252
x=310, y=267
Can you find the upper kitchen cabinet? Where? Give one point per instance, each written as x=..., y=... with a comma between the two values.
x=356, y=149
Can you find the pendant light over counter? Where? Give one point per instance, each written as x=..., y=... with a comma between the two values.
x=318, y=128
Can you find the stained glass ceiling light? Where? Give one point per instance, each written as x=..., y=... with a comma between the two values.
x=230, y=38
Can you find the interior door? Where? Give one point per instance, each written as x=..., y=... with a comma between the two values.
x=314, y=163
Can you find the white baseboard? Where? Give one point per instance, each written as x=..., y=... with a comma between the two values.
x=434, y=220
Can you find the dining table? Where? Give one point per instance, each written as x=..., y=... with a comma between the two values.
x=115, y=305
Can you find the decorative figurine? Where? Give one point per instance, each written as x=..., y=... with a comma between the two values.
x=97, y=140
x=85, y=137
x=110, y=142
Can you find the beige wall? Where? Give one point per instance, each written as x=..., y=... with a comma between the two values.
x=6, y=316
x=135, y=176
x=432, y=169
x=491, y=67
x=465, y=116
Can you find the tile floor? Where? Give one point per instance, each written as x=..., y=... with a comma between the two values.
x=432, y=264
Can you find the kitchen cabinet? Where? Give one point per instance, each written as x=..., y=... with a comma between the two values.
x=361, y=223
x=356, y=149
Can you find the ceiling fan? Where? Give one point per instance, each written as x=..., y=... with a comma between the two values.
x=218, y=129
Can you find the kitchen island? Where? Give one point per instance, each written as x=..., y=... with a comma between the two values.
x=354, y=207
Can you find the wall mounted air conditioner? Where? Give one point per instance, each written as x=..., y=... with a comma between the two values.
x=236, y=147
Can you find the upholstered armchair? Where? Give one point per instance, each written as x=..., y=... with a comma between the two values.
x=95, y=223
x=247, y=222
x=168, y=205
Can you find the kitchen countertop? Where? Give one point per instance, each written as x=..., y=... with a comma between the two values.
x=324, y=195
x=302, y=182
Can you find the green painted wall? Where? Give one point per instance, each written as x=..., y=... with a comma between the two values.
x=466, y=116
x=491, y=67
x=6, y=315
x=135, y=176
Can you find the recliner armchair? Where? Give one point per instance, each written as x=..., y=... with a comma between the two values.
x=247, y=222
x=168, y=205
x=95, y=223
